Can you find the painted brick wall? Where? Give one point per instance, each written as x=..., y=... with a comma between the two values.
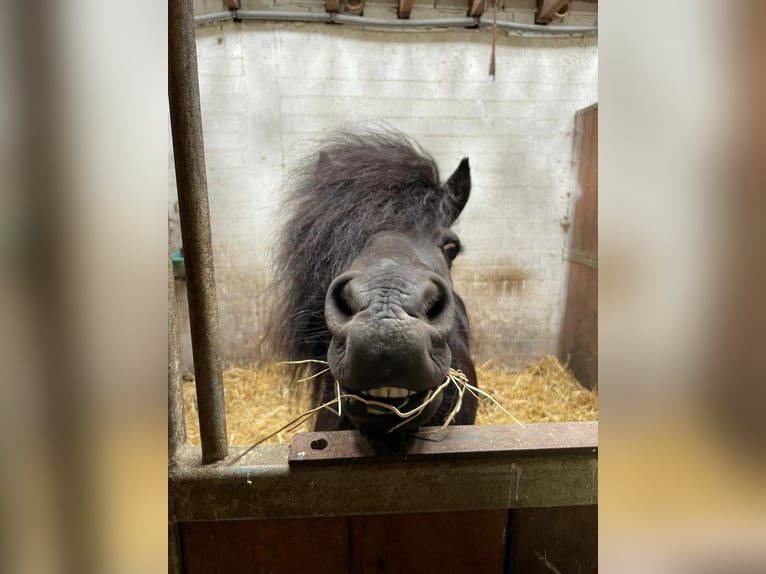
x=268, y=89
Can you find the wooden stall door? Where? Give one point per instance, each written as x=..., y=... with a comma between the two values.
x=423, y=543
x=579, y=335
x=557, y=539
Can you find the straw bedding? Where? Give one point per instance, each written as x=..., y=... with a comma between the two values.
x=261, y=400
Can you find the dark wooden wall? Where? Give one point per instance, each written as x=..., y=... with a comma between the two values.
x=579, y=335
x=480, y=542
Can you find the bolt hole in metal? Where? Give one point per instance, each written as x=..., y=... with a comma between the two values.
x=319, y=444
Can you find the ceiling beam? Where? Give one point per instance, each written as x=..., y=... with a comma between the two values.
x=405, y=9
x=476, y=7
x=546, y=10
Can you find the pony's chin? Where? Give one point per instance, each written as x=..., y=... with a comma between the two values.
x=375, y=419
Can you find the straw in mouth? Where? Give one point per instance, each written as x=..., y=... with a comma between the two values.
x=454, y=377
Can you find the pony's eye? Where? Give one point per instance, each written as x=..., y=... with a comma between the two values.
x=451, y=249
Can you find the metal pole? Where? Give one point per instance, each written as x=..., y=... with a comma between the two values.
x=175, y=558
x=188, y=149
x=395, y=24
x=176, y=428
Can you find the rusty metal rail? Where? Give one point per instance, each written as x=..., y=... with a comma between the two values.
x=397, y=24
x=479, y=468
x=189, y=155
x=176, y=427
x=327, y=448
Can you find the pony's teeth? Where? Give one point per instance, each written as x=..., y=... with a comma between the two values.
x=389, y=393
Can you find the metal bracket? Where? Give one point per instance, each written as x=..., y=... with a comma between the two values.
x=581, y=257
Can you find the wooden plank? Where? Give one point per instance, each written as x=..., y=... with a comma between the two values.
x=579, y=335
x=587, y=176
x=580, y=341
x=545, y=540
x=405, y=9
x=546, y=10
x=317, y=545
x=436, y=543
x=588, y=179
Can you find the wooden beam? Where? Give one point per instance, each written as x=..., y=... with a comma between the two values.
x=232, y=4
x=546, y=10
x=332, y=5
x=405, y=8
x=476, y=7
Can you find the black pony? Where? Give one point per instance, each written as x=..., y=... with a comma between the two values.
x=363, y=280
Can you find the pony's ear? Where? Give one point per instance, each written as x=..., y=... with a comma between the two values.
x=459, y=186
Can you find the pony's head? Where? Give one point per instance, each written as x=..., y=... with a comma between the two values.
x=370, y=240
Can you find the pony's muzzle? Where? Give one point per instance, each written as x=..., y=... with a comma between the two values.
x=390, y=332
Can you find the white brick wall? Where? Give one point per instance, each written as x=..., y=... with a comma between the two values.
x=267, y=88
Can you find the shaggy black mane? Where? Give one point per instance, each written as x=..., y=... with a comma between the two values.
x=360, y=183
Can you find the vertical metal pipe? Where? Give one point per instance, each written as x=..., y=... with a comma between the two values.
x=175, y=556
x=188, y=149
x=176, y=427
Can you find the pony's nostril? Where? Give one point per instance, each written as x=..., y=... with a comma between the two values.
x=340, y=298
x=435, y=308
x=436, y=302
